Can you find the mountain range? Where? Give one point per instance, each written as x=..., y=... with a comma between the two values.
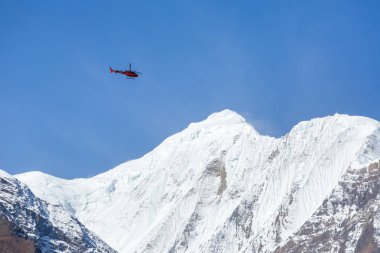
x=216, y=186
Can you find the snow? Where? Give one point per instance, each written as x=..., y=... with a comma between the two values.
x=50, y=227
x=171, y=198
x=4, y=174
x=376, y=225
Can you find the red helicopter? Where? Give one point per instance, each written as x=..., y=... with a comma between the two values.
x=129, y=73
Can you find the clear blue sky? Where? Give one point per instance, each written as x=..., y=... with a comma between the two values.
x=274, y=62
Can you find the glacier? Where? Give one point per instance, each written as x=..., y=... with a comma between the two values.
x=219, y=186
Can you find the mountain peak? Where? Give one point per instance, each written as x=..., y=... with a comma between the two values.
x=338, y=121
x=226, y=116
x=223, y=118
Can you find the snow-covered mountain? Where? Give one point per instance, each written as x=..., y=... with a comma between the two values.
x=28, y=224
x=220, y=186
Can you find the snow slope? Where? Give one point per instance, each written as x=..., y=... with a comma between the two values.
x=217, y=186
x=46, y=228
x=348, y=219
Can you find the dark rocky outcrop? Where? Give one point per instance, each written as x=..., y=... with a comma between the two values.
x=28, y=224
x=346, y=221
x=11, y=243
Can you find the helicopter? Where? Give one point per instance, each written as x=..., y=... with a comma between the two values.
x=130, y=73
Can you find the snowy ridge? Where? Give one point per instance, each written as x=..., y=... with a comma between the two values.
x=50, y=228
x=217, y=186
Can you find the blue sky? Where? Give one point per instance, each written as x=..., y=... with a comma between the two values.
x=274, y=62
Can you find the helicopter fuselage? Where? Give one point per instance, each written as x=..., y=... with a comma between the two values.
x=127, y=73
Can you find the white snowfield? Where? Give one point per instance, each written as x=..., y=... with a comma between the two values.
x=217, y=186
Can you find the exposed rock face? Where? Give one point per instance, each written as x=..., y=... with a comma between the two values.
x=347, y=221
x=28, y=224
x=11, y=243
